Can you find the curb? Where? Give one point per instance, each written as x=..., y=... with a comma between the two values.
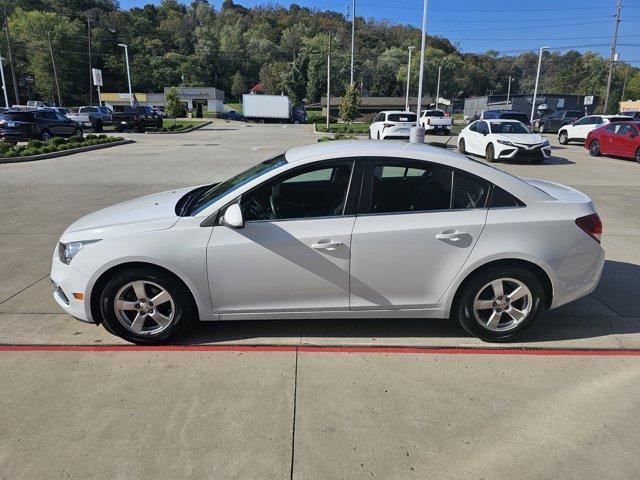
x=187, y=130
x=62, y=153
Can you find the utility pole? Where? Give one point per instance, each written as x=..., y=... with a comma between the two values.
x=353, y=34
x=409, y=77
x=614, y=42
x=535, y=90
x=90, y=64
x=422, y=47
x=13, y=71
x=329, y=82
x=4, y=85
x=509, y=90
x=55, y=72
x=438, y=87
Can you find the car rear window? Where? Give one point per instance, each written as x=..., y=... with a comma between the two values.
x=17, y=116
x=434, y=113
x=401, y=117
x=515, y=116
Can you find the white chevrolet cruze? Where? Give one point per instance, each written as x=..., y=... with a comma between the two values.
x=503, y=139
x=335, y=230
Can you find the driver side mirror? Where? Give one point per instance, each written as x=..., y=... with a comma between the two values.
x=233, y=217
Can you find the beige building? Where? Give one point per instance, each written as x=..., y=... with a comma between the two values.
x=211, y=98
x=630, y=106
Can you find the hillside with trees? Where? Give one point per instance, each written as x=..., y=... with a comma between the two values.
x=233, y=47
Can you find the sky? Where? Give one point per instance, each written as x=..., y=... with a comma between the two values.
x=507, y=26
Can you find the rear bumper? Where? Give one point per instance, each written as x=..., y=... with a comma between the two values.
x=437, y=128
x=396, y=133
x=576, y=276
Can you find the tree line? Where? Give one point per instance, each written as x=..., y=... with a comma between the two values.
x=233, y=47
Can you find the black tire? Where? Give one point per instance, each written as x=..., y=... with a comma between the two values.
x=463, y=310
x=541, y=128
x=563, y=138
x=638, y=155
x=462, y=147
x=45, y=135
x=141, y=127
x=78, y=133
x=119, y=129
x=183, y=305
x=98, y=127
x=594, y=148
x=490, y=154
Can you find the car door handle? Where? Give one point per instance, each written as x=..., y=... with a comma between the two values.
x=454, y=235
x=326, y=245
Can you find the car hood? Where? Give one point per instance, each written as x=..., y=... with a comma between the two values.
x=526, y=138
x=153, y=212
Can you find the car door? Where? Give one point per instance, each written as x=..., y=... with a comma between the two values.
x=580, y=129
x=474, y=139
x=608, y=144
x=65, y=125
x=627, y=142
x=375, y=125
x=417, y=224
x=294, y=250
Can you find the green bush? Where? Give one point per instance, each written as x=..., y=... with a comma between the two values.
x=35, y=143
x=4, y=147
x=58, y=141
x=91, y=136
x=27, y=152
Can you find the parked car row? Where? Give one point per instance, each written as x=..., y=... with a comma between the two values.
x=24, y=125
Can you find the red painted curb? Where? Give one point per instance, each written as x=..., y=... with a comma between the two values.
x=324, y=349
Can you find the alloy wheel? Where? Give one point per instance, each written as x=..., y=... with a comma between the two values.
x=502, y=304
x=594, y=148
x=144, y=307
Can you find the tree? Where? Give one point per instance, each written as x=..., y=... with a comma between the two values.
x=633, y=88
x=350, y=103
x=238, y=85
x=173, y=106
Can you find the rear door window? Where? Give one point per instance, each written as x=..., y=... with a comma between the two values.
x=17, y=116
x=401, y=117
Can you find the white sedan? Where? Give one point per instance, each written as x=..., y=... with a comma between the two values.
x=503, y=140
x=335, y=230
x=392, y=125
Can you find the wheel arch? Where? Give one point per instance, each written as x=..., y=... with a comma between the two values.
x=103, y=278
x=536, y=269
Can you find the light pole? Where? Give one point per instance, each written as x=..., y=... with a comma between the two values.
x=353, y=34
x=4, y=85
x=416, y=129
x=509, y=90
x=438, y=87
x=535, y=90
x=409, y=77
x=126, y=56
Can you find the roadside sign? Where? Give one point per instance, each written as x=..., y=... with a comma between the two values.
x=97, y=77
x=588, y=100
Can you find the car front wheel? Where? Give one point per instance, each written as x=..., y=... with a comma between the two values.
x=490, y=153
x=462, y=147
x=594, y=148
x=145, y=306
x=563, y=138
x=45, y=135
x=500, y=303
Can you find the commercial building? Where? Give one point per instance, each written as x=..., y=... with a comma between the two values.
x=375, y=104
x=545, y=103
x=209, y=98
x=630, y=106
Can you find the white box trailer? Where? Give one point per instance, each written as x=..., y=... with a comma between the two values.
x=266, y=107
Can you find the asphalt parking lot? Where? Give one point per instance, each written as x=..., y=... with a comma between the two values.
x=289, y=409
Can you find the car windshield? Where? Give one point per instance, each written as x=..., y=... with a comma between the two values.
x=508, y=127
x=401, y=117
x=207, y=197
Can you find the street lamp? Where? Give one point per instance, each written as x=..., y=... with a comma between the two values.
x=535, y=90
x=4, y=85
x=438, y=87
x=408, y=77
x=126, y=56
x=416, y=133
x=509, y=90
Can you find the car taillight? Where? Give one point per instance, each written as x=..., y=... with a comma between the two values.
x=387, y=125
x=592, y=225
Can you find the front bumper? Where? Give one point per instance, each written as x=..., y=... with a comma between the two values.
x=524, y=152
x=67, y=281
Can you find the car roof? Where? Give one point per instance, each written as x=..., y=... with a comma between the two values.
x=395, y=111
x=418, y=151
x=501, y=120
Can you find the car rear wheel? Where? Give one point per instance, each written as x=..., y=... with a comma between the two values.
x=45, y=135
x=98, y=126
x=490, y=154
x=541, y=128
x=462, y=147
x=500, y=303
x=638, y=155
x=563, y=138
x=78, y=133
x=145, y=306
x=594, y=148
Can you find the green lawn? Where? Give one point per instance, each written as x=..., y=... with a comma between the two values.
x=182, y=124
x=234, y=106
x=357, y=128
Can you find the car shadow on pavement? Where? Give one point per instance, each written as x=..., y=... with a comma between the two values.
x=611, y=310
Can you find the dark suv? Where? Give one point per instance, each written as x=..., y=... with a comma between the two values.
x=24, y=125
x=136, y=118
x=507, y=115
x=557, y=120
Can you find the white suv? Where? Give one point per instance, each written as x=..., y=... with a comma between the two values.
x=392, y=124
x=578, y=130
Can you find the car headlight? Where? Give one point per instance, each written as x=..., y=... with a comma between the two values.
x=545, y=143
x=69, y=250
x=505, y=142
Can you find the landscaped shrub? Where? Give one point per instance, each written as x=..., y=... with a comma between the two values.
x=58, y=141
x=91, y=136
x=57, y=144
x=35, y=143
x=4, y=146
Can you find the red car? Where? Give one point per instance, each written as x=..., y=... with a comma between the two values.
x=620, y=139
